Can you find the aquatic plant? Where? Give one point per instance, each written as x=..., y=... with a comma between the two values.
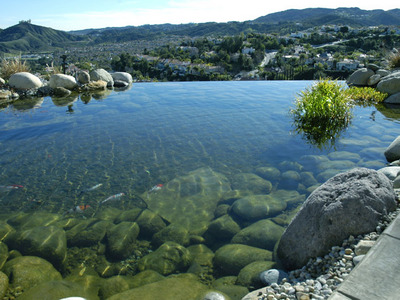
x=365, y=95
x=322, y=112
x=9, y=67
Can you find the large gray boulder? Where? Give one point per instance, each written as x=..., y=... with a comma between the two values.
x=393, y=99
x=360, y=77
x=122, y=76
x=101, y=74
x=390, y=84
x=349, y=203
x=61, y=80
x=24, y=80
x=392, y=152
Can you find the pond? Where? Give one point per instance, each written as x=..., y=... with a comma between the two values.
x=185, y=153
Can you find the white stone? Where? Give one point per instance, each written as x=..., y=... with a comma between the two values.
x=62, y=80
x=101, y=74
x=2, y=81
x=24, y=80
x=390, y=172
x=122, y=76
x=390, y=84
x=363, y=247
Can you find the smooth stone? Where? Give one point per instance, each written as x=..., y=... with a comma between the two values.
x=360, y=77
x=149, y=223
x=257, y=207
x=24, y=80
x=3, y=254
x=289, y=180
x=169, y=258
x=374, y=79
x=213, y=296
x=308, y=179
x=344, y=156
x=383, y=72
x=231, y=258
x=221, y=210
x=120, y=84
x=61, y=92
x=30, y=220
x=290, y=197
x=101, y=74
x=251, y=182
x=233, y=291
x=392, y=152
x=113, y=285
x=173, y=232
x=88, y=233
x=272, y=276
x=390, y=172
x=393, y=99
x=249, y=276
x=61, y=80
x=268, y=173
x=3, y=284
x=396, y=182
x=121, y=239
x=390, y=84
x=83, y=77
x=122, y=76
x=262, y=234
x=363, y=247
x=29, y=271
x=223, y=228
x=357, y=259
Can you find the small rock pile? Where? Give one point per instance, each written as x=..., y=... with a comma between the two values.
x=322, y=275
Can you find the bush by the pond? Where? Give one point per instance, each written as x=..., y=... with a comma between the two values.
x=10, y=67
x=366, y=95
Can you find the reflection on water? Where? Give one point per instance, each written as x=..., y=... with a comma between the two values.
x=206, y=145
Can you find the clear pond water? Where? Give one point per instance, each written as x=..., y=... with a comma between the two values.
x=130, y=141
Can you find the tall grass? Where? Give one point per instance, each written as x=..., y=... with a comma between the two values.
x=9, y=67
x=394, y=60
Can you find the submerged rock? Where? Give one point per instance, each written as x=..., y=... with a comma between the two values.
x=392, y=152
x=3, y=284
x=249, y=276
x=251, y=182
x=173, y=232
x=121, y=239
x=29, y=271
x=350, y=203
x=169, y=258
x=231, y=258
x=223, y=228
x=145, y=277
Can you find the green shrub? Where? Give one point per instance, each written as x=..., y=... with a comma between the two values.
x=365, y=95
x=394, y=61
x=322, y=112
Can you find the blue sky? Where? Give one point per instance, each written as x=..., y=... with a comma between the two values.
x=83, y=14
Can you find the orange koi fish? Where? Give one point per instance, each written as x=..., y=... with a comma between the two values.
x=78, y=209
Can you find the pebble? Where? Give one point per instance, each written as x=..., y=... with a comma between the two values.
x=322, y=275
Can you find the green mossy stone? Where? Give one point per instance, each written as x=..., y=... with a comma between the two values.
x=223, y=228
x=67, y=223
x=251, y=182
x=121, y=239
x=177, y=288
x=129, y=216
x=90, y=235
x=226, y=280
x=57, y=290
x=269, y=173
x=113, y=285
x=108, y=213
x=3, y=254
x=3, y=284
x=174, y=233
x=231, y=258
x=234, y=292
x=28, y=221
x=29, y=271
x=308, y=179
x=221, y=210
x=256, y=207
x=263, y=234
x=201, y=254
x=190, y=200
x=169, y=258
x=229, y=197
x=89, y=283
x=48, y=242
x=249, y=276
x=212, y=295
x=149, y=223
x=290, y=197
x=6, y=231
x=290, y=180
x=145, y=277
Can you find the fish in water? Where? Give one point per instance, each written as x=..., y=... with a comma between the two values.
x=11, y=187
x=156, y=188
x=91, y=189
x=113, y=197
x=77, y=209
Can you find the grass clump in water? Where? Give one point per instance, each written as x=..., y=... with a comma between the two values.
x=366, y=95
x=322, y=112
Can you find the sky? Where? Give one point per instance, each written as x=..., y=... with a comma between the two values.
x=84, y=14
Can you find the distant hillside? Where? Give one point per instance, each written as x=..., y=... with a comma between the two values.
x=321, y=16
x=29, y=37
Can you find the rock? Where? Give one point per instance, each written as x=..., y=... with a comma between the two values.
x=83, y=77
x=396, y=182
x=189, y=200
x=290, y=166
x=373, y=67
x=201, y=255
x=3, y=284
x=373, y=80
x=390, y=84
x=173, y=232
x=171, y=288
x=120, y=84
x=392, y=152
x=121, y=239
x=29, y=271
x=357, y=259
x=212, y=296
x=273, y=276
x=221, y=210
x=122, y=76
x=145, y=277
x=4, y=94
x=96, y=85
x=88, y=233
x=390, y=172
x=169, y=258
x=233, y=291
x=307, y=178
x=350, y=203
x=61, y=92
x=262, y=234
x=231, y=258
x=393, y=99
x=61, y=289
x=269, y=173
x=48, y=242
x=2, y=81
x=113, y=285
x=6, y=231
x=149, y=223
x=61, y=80
x=251, y=182
x=3, y=254
x=363, y=247
x=233, y=195
x=249, y=276
x=289, y=180
x=360, y=77
x=223, y=228
x=30, y=220
x=382, y=72
x=345, y=156
x=101, y=74
x=24, y=80
x=253, y=208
